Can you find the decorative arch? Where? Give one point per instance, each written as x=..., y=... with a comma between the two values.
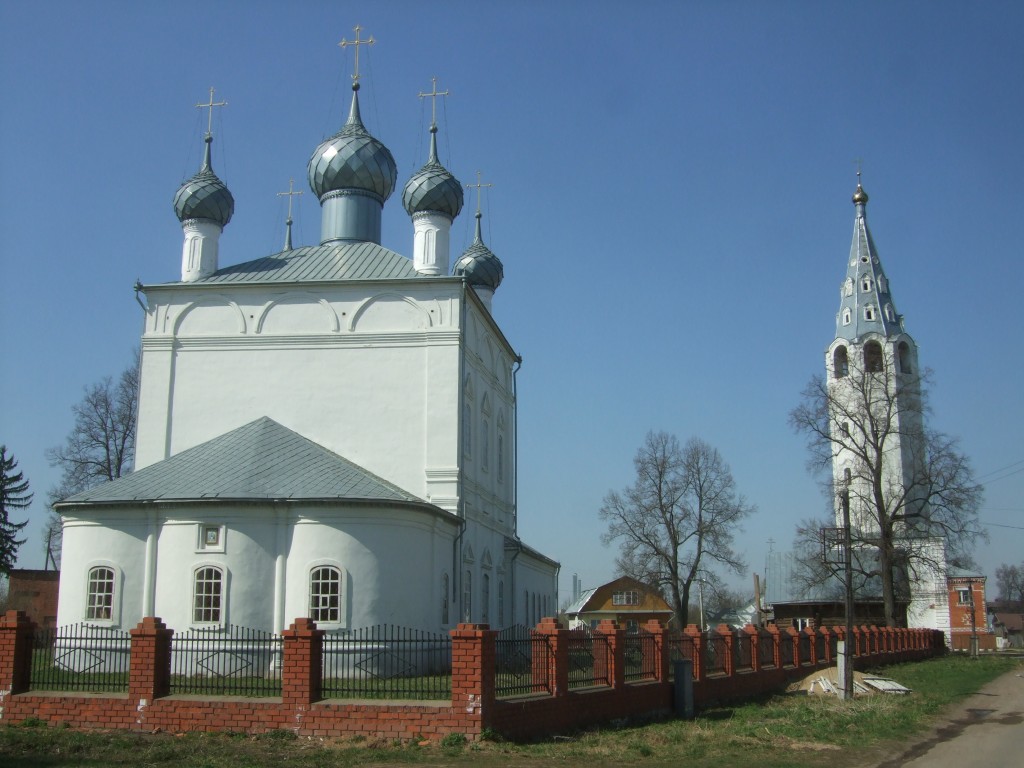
x=231, y=320
x=320, y=306
x=389, y=312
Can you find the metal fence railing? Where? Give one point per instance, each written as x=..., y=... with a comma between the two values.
x=387, y=662
x=716, y=653
x=588, y=658
x=226, y=661
x=680, y=647
x=80, y=657
x=766, y=650
x=521, y=661
x=805, y=648
x=785, y=649
x=638, y=655
x=744, y=651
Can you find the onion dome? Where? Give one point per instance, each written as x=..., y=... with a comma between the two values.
x=204, y=196
x=352, y=159
x=859, y=196
x=432, y=189
x=478, y=264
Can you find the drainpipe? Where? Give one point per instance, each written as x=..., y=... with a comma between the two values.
x=460, y=457
x=515, y=447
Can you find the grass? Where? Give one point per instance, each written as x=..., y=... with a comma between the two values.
x=785, y=730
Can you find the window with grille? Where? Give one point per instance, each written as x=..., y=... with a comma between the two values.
x=627, y=597
x=100, y=605
x=207, y=601
x=325, y=594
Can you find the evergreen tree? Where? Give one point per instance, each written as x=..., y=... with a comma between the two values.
x=14, y=494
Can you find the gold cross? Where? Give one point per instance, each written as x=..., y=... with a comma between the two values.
x=434, y=93
x=357, y=42
x=478, y=187
x=210, y=105
x=290, y=194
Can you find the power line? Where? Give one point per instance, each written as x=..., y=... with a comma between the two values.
x=1003, y=469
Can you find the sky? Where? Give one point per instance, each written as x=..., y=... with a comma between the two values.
x=671, y=203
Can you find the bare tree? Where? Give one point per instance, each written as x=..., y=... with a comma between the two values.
x=100, y=446
x=678, y=517
x=905, y=484
x=1010, y=582
x=14, y=494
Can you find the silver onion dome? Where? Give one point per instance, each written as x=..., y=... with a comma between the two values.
x=204, y=196
x=352, y=159
x=478, y=264
x=432, y=189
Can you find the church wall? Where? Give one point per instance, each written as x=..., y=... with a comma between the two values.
x=391, y=558
x=378, y=383
x=114, y=539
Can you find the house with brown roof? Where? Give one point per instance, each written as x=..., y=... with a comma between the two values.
x=626, y=601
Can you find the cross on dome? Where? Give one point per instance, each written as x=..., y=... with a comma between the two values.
x=434, y=93
x=357, y=42
x=478, y=186
x=210, y=105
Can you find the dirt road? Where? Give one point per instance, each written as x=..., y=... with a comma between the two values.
x=986, y=730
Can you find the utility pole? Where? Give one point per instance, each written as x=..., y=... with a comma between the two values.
x=848, y=578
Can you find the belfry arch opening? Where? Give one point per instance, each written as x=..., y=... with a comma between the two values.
x=903, y=355
x=873, y=362
x=840, y=362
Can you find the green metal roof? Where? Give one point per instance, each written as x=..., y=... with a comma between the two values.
x=261, y=460
x=337, y=261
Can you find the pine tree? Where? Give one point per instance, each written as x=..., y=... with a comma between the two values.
x=14, y=494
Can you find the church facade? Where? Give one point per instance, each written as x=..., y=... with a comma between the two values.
x=328, y=431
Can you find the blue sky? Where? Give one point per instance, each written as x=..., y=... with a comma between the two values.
x=671, y=202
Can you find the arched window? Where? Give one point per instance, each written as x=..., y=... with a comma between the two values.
x=467, y=596
x=890, y=313
x=869, y=312
x=840, y=362
x=444, y=598
x=846, y=429
x=325, y=594
x=904, y=356
x=485, y=599
x=865, y=283
x=846, y=316
x=100, y=599
x=207, y=595
x=873, y=357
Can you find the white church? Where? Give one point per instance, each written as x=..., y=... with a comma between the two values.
x=325, y=432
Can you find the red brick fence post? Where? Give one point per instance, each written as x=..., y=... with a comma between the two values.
x=473, y=662
x=611, y=665
x=15, y=653
x=149, y=671
x=302, y=672
x=557, y=673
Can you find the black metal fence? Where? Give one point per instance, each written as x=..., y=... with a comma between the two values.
x=589, y=658
x=715, y=654
x=680, y=647
x=226, y=660
x=766, y=650
x=80, y=657
x=387, y=662
x=521, y=661
x=744, y=651
x=785, y=648
x=638, y=655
